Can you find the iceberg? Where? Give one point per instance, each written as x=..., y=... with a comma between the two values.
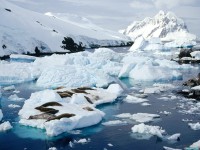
x=5, y=126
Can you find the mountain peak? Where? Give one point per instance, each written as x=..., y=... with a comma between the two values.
x=158, y=26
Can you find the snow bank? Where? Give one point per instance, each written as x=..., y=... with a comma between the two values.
x=149, y=130
x=5, y=126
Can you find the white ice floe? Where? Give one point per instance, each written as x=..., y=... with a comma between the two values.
x=9, y=88
x=52, y=148
x=144, y=117
x=80, y=105
x=165, y=113
x=194, y=126
x=196, y=88
x=139, y=117
x=146, y=104
x=195, y=54
x=169, y=148
x=114, y=122
x=134, y=100
x=13, y=106
x=195, y=145
x=115, y=88
x=157, y=88
x=83, y=141
x=1, y=114
x=109, y=144
x=148, y=130
x=174, y=137
x=14, y=97
x=5, y=126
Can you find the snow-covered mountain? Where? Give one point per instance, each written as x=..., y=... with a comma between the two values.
x=166, y=26
x=22, y=30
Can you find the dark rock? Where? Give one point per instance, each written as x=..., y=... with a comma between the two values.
x=9, y=10
x=185, y=53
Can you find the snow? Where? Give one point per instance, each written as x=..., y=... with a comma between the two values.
x=194, y=126
x=196, y=88
x=195, y=145
x=14, y=97
x=13, y=106
x=134, y=100
x=170, y=29
x=139, y=43
x=115, y=88
x=114, y=122
x=148, y=130
x=8, y=88
x=71, y=105
x=195, y=54
x=1, y=114
x=5, y=126
x=47, y=31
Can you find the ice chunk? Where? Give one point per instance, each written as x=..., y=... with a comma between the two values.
x=196, y=88
x=124, y=115
x=194, y=126
x=144, y=117
x=169, y=148
x=13, y=106
x=115, y=88
x=195, y=54
x=139, y=43
x=9, y=88
x=15, y=98
x=165, y=113
x=1, y=114
x=109, y=144
x=149, y=130
x=52, y=148
x=5, y=126
x=114, y=122
x=195, y=145
x=135, y=100
x=145, y=104
x=83, y=141
x=174, y=137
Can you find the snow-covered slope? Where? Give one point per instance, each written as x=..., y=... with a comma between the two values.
x=166, y=26
x=22, y=30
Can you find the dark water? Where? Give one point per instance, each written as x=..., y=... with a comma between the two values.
x=120, y=136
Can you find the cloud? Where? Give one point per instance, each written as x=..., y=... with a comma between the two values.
x=140, y=5
x=162, y=4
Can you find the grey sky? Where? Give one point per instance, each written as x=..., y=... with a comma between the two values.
x=118, y=14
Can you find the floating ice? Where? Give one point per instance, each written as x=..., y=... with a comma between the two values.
x=144, y=117
x=165, y=112
x=15, y=98
x=5, y=126
x=114, y=122
x=148, y=130
x=195, y=145
x=1, y=114
x=83, y=141
x=52, y=148
x=135, y=100
x=13, y=106
x=194, y=126
x=174, y=137
x=169, y=148
x=9, y=88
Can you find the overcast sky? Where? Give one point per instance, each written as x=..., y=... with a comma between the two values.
x=118, y=14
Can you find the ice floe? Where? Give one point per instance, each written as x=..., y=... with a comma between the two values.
x=114, y=122
x=13, y=106
x=148, y=130
x=174, y=137
x=14, y=97
x=1, y=114
x=169, y=148
x=195, y=145
x=5, y=126
x=9, y=88
x=76, y=109
x=194, y=126
x=134, y=100
x=52, y=148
